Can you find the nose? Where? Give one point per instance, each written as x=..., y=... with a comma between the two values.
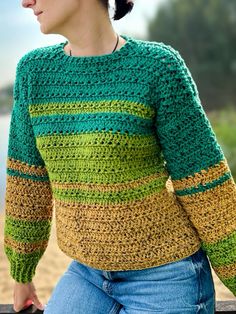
x=28, y=3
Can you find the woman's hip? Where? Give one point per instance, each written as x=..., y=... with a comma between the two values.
x=183, y=286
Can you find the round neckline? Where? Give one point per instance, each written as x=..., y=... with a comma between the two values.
x=103, y=57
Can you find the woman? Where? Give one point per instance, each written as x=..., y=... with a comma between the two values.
x=110, y=130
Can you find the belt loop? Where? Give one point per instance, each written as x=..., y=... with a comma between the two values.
x=107, y=274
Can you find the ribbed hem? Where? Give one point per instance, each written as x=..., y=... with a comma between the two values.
x=22, y=273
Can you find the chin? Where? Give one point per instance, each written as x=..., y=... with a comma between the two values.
x=47, y=30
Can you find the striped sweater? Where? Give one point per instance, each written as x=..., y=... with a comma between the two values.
x=119, y=146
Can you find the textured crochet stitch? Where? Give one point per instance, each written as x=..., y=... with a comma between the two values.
x=119, y=146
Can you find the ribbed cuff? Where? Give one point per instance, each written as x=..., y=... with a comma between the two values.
x=22, y=272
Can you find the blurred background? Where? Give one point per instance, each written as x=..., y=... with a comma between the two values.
x=203, y=31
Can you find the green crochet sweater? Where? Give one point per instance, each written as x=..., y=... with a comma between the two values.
x=119, y=147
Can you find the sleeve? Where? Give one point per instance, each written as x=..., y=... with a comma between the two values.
x=198, y=170
x=28, y=198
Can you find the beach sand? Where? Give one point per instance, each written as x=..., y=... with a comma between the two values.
x=50, y=268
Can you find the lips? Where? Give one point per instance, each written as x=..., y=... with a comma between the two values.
x=37, y=13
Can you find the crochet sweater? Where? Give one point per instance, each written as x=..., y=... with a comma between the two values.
x=119, y=146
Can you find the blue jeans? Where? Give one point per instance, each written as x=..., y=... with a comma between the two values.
x=183, y=286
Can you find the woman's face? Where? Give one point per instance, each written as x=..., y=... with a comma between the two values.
x=57, y=15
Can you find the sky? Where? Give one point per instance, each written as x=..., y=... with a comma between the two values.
x=20, y=31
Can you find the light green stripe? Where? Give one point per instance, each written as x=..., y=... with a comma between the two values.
x=89, y=149
x=23, y=266
x=22, y=257
x=105, y=178
x=222, y=252
x=96, y=140
x=133, y=108
x=27, y=231
x=100, y=154
x=100, y=166
x=127, y=195
x=87, y=158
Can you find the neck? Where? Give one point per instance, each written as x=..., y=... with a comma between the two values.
x=105, y=45
x=93, y=36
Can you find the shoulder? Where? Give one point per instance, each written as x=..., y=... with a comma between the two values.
x=162, y=56
x=35, y=56
x=157, y=50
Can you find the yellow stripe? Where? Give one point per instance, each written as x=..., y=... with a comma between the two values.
x=99, y=225
x=226, y=271
x=27, y=199
x=24, y=248
x=211, y=211
x=78, y=107
x=26, y=168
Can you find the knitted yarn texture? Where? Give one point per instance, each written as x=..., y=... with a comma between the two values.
x=119, y=146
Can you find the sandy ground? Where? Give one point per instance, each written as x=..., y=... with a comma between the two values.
x=52, y=265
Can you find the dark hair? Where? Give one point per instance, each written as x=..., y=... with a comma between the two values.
x=122, y=7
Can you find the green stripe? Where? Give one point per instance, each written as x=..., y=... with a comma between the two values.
x=74, y=157
x=223, y=252
x=123, y=106
x=105, y=178
x=102, y=166
x=90, y=146
x=22, y=257
x=23, y=266
x=93, y=140
x=205, y=187
x=124, y=196
x=89, y=158
x=27, y=231
x=16, y=173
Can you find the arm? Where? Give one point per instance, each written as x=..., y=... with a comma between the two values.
x=199, y=172
x=28, y=198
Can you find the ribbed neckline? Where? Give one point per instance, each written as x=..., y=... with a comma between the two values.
x=105, y=57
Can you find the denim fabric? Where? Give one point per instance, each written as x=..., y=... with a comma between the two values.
x=183, y=286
